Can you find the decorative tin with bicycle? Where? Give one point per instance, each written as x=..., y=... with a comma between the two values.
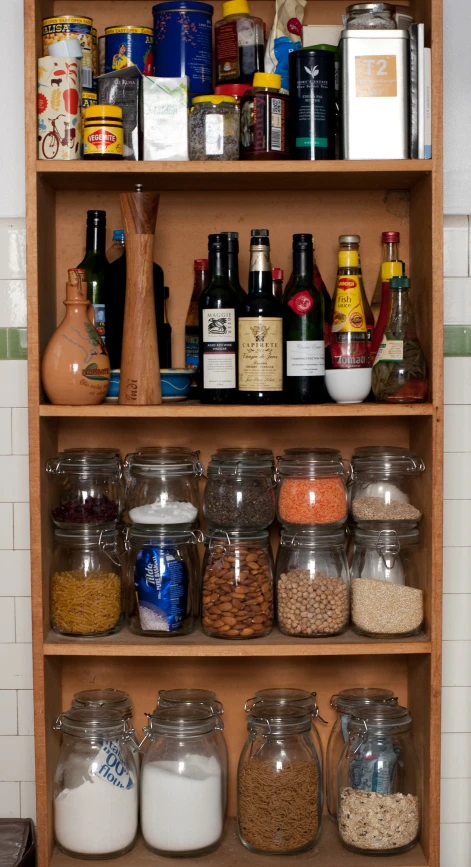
x=59, y=108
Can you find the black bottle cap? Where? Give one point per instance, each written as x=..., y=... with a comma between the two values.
x=231, y=236
x=259, y=233
x=302, y=240
x=96, y=217
x=217, y=242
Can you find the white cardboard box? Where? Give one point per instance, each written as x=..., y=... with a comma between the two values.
x=164, y=118
x=321, y=34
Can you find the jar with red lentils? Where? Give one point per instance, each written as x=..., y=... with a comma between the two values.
x=312, y=488
x=237, y=599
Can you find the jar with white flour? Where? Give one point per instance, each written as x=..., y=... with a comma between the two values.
x=95, y=787
x=162, y=488
x=183, y=781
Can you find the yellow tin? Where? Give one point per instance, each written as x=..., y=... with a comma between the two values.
x=103, y=132
x=72, y=27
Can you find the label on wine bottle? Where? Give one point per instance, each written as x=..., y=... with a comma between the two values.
x=301, y=303
x=100, y=323
x=260, y=353
x=219, y=370
x=192, y=351
x=219, y=326
x=305, y=358
x=219, y=348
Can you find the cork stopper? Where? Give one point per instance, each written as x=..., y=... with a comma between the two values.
x=76, y=289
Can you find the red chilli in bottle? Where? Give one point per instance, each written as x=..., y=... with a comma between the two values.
x=264, y=115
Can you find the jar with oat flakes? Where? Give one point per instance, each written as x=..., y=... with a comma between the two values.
x=312, y=488
x=379, y=783
x=238, y=584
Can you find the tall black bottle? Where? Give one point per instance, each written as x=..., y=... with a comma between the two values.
x=261, y=330
x=233, y=263
x=219, y=307
x=97, y=269
x=303, y=329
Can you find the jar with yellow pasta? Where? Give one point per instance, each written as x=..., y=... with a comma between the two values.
x=86, y=587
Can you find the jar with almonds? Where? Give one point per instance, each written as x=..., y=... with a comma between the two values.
x=238, y=584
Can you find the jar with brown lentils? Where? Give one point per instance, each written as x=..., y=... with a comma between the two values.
x=238, y=584
x=312, y=583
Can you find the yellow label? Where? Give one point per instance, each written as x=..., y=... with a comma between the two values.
x=391, y=269
x=349, y=315
x=260, y=353
x=109, y=31
x=376, y=75
x=103, y=140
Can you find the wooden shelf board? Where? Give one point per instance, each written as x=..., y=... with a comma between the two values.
x=124, y=643
x=328, y=852
x=193, y=409
x=237, y=175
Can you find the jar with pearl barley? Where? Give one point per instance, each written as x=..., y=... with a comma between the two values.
x=312, y=583
x=385, y=486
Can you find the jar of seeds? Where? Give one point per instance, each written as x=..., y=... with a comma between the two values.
x=371, y=16
x=214, y=128
x=240, y=491
x=384, y=565
x=312, y=579
x=237, y=597
x=384, y=486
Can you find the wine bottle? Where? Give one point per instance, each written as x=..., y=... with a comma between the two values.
x=233, y=263
x=303, y=329
x=201, y=269
x=218, y=318
x=96, y=267
x=261, y=330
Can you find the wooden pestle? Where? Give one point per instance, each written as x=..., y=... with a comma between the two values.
x=140, y=368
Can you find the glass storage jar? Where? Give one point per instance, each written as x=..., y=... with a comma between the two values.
x=184, y=781
x=279, y=782
x=379, y=783
x=385, y=564
x=214, y=128
x=383, y=479
x=239, y=492
x=312, y=489
x=237, y=599
x=371, y=16
x=346, y=703
x=108, y=698
x=87, y=487
x=95, y=784
x=168, y=451
x=162, y=488
x=312, y=583
x=190, y=696
x=163, y=580
x=86, y=595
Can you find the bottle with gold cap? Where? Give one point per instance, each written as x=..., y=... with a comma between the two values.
x=264, y=116
x=349, y=330
x=239, y=38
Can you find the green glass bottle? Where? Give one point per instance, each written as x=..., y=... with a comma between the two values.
x=96, y=267
x=233, y=263
x=303, y=329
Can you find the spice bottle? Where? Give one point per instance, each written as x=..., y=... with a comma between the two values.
x=349, y=330
x=264, y=120
x=214, y=128
x=201, y=269
x=400, y=372
x=239, y=38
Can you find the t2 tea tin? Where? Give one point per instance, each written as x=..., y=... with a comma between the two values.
x=127, y=46
x=312, y=98
x=183, y=43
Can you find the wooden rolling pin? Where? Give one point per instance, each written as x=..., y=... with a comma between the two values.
x=140, y=368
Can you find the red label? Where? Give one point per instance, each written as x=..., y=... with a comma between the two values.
x=294, y=26
x=346, y=283
x=301, y=303
x=102, y=139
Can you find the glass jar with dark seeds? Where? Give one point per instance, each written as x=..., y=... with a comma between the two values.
x=240, y=492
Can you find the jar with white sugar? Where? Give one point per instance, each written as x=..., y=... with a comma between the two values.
x=183, y=781
x=162, y=488
x=95, y=786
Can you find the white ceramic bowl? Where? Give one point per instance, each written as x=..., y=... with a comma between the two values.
x=348, y=386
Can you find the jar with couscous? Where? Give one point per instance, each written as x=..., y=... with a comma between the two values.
x=312, y=488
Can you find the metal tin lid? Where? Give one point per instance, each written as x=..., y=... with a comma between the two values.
x=184, y=6
x=379, y=718
x=89, y=722
x=349, y=700
x=349, y=239
x=105, y=698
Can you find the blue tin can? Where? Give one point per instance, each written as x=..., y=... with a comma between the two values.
x=127, y=46
x=183, y=43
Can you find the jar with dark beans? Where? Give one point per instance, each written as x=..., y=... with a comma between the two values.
x=92, y=510
x=238, y=585
x=87, y=487
x=240, y=492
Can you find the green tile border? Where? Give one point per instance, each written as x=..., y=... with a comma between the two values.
x=13, y=344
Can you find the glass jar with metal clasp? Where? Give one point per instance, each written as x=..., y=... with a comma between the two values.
x=163, y=580
x=108, y=698
x=190, y=696
x=95, y=784
x=162, y=487
x=379, y=783
x=87, y=487
x=240, y=490
x=312, y=488
x=384, y=486
x=371, y=16
x=183, y=781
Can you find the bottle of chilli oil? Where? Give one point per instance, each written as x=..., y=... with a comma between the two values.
x=349, y=334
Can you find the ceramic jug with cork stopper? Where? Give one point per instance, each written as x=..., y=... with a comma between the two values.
x=76, y=368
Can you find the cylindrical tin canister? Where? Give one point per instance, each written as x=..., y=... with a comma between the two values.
x=375, y=94
x=95, y=52
x=127, y=46
x=89, y=97
x=72, y=27
x=183, y=43
x=101, y=54
x=59, y=108
x=312, y=97
x=103, y=132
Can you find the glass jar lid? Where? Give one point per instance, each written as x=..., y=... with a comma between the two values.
x=168, y=450
x=161, y=464
x=279, y=719
x=105, y=698
x=214, y=99
x=350, y=700
x=358, y=8
x=86, y=722
x=194, y=697
x=379, y=718
x=284, y=695
x=142, y=534
x=93, y=451
x=315, y=537
x=224, y=538
x=328, y=454
x=223, y=465
x=313, y=463
x=85, y=463
x=183, y=720
x=87, y=534
x=376, y=461
x=387, y=536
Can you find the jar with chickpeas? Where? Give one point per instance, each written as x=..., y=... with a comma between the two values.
x=312, y=583
x=237, y=600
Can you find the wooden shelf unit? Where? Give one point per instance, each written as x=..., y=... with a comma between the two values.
x=198, y=198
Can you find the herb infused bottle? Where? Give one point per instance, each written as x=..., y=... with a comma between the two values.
x=303, y=327
x=218, y=318
x=261, y=330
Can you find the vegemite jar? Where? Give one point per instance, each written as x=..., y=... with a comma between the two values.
x=312, y=108
x=162, y=580
x=103, y=132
